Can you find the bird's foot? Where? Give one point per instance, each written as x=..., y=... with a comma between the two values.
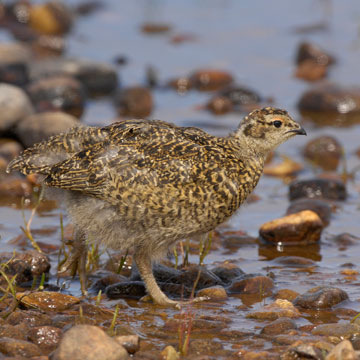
x=165, y=301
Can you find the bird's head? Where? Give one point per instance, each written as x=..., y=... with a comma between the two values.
x=265, y=129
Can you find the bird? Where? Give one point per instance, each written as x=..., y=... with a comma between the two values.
x=146, y=184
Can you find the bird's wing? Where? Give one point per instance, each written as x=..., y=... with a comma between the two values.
x=137, y=153
x=42, y=156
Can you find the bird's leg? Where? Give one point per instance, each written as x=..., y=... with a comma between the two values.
x=77, y=260
x=143, y=263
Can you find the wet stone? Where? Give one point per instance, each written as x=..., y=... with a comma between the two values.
x=342, y=351
x=126, y=289
x=29, y=317
x=18, y=331
x=51, y=18
x=294, y=261
x=58, y=93
x=219, y=105
x=210, y=80
x=14, y=59
x=324, y=152
x=303, y=351
x=130, y=342
x=180, y=84
x=38, y=127
x=105, y=281
x=15, y=105
x=155, y=28
x=134, y=102
x=88, y=342
x=15, y=347
x=300, y=228
x=308, y=51
x=278, y=309
x=98, y=78
x=47, y=300
x=321, y=297
x=234, y=242
x=346, y=239
x=9, y=149
x=13, y=186
x=251, y=284
x=311, y=71
x=317, y=188
x=331, y=105
x=26, y=264
x=287, y=167
x=240, y=95
x=320, y=207
x=278, y=326
x=169, y=353
x=286, y=294
x=340, y=330
x=46, y=337
x=213, y=293
x=227, y=272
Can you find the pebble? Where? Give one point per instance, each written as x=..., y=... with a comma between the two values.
x=304, y=351
x=15, y=347
x=309, y=70
x=47, y=300
x=14, y=105
x=308, y=51
x=90, y=343
x=130, y=342
x=278, y=309
x=286, y=294
x=126, y=289
x=51, y=18
x=26, y=264
x=330, y=104
x=294, y=261
x=320, y=207
x=304, y=227
x=135, y=102
x=169, y=353
x=9, y=149
x=215, y=293
x=46, y=337
x=251, y=284
x=324, y=152
x=342, y=351
x=14, y=186
x=31, y=318
x=219, y=105
x=58, y=93
x=346, y=239
x=38, y=127
x=287, y=167
x=240, y=95
x=227, y=272
x=155, y=28
x=19, y=331
x=321, y=297
x=210, y=80
x=316, y=188
x=98, y=78
x=278, y=326
x=181, y=84
x=340, y=330
x=14, y=59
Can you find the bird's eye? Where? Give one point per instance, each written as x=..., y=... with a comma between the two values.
x=277, y=123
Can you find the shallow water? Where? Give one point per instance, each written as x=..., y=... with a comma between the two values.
x=256, y=42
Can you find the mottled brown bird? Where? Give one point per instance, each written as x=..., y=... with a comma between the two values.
x=145, y=184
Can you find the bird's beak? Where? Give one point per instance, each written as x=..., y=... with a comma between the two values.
x=300, y=131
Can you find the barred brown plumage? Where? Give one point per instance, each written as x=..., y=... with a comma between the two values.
x=147, y=184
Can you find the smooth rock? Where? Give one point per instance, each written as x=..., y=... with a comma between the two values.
x=15, y=347
x=324, y=152
x=126, y=289
x=169, y=353
x=51, y=18
x=14, y=186
x=340, y=330
x=286, y=294
x=134, y=102
x=300, y=228
x=346, y=239
x=39, y=127
x=130, y=342
x=31, y=318
x=98, y=78
x=251, y=284
x=317, y=188
x=181, y=84
x=47, y=300
x=294, y=262
x=18, y=331
x=155, y=28
x=46, y=337
x=227, y=272
x=90, y=343
x=219, y=105
x=342, y=351
x=210, y=80
x=321, y=297
x=14, y=106
x=9, y=149
x=215, y=293
x=240, y=95
x=320, y=207
x=58, y=93
x=308, y=51
x=311, y=71
x=278, y=309
x=26, y=265
x=278, y=326
x=287, y=167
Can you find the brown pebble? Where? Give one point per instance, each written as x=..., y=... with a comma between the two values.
x=339, y=330
x=31, y=318
x=309, y=70
x=51, y=18
x=130, y=342
x=210, y=80
x=90, y=343
x=46, y=337
x=251, y=284
x=324, y=152
x=301, y=228
x=134, y=102
x=181, y=84
x=286, y=294
x=278, y=326
x=287, y=167
x=15, y=187
x=342, y=351
x=307, y=51
x=9, y=149
x=321, y=297
x=322, y=208
x=47, y=300
x=279, y=308
x=215, y=293
x=219, y=105
x=15, y=347
x=155, y=28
